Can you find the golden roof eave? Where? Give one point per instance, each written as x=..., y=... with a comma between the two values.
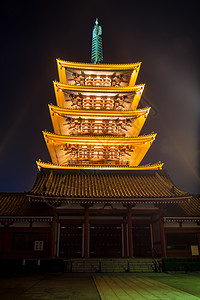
x=41, y=164
x=106, y=89
x=56, y=138
x=91, y=66
x=99, y=113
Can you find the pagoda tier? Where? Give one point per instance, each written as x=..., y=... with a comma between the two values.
x=104, y=150
x=91, y=122
x=93, y=97
x=96, y=120
x=98, y=74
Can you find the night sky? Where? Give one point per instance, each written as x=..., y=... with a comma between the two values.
x=163, y=35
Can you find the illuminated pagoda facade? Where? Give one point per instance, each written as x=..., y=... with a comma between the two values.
x=97, y=121
x=96, y=198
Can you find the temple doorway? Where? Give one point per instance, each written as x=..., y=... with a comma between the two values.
x=71, y=240
x=142, y=240
x=106, y=240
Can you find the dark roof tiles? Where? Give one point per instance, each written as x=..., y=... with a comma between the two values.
x=18, y=204
x=105, y=186
x=192, y=208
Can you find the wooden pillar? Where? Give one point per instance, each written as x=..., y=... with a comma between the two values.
x=152, y=241
x=125, y=238
x=198, y=239
x=53, y=236
x=6, y=239
x=130, y=232
x=162, y=234
x=4, y=243
x=86, y=232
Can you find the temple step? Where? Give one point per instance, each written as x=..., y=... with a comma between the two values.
x=84, y=266
x=112, y=265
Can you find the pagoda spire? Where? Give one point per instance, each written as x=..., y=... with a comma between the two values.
x=97, y=48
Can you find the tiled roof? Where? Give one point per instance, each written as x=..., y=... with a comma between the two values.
x=18, y=204
x=13, y=203
x=94, y=184
x=192, y=208
x=184, y=209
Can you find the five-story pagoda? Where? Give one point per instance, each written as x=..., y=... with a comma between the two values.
x=105, y=203
x=96, y=121
x=95, y=199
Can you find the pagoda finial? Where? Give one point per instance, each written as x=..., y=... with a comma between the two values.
x=97, y=49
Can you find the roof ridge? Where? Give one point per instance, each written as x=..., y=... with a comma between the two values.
x=163, y=181
x=100, y=136
x=62, y=61
x=101, y=110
